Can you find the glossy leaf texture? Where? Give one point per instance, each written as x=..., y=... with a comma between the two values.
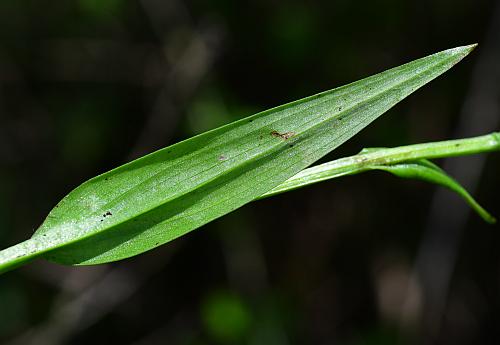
x=161, y=196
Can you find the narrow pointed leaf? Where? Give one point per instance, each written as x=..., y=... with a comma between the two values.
x=168, y=193
x=426, y=171
x=404, y=161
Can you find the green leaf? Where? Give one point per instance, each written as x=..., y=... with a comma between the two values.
x=404, y=162
x=427, y=171
x=168, y=193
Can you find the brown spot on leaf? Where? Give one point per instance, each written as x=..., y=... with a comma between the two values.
x=285, y=136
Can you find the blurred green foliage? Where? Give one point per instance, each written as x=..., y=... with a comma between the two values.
x=104, y=9
x=226, y=318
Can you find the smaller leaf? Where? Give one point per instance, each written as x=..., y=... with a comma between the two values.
x=427, y=171
x=405, y=161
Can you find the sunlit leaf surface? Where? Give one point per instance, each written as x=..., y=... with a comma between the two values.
x=161, y=196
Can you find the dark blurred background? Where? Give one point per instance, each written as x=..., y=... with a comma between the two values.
x=88, y=85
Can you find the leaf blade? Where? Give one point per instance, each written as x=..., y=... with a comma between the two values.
x=168, y=193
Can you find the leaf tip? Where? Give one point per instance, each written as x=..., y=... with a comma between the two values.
x=490, y=219
x=462, y=51
x=470, y=48
x=487, y=217
x=458, y=53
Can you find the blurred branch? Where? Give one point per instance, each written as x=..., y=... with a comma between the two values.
x=185, y=75
x=101, y=61
x=178, y=331
x=78, y=310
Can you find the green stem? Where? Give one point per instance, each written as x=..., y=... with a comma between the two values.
x=362, y=161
